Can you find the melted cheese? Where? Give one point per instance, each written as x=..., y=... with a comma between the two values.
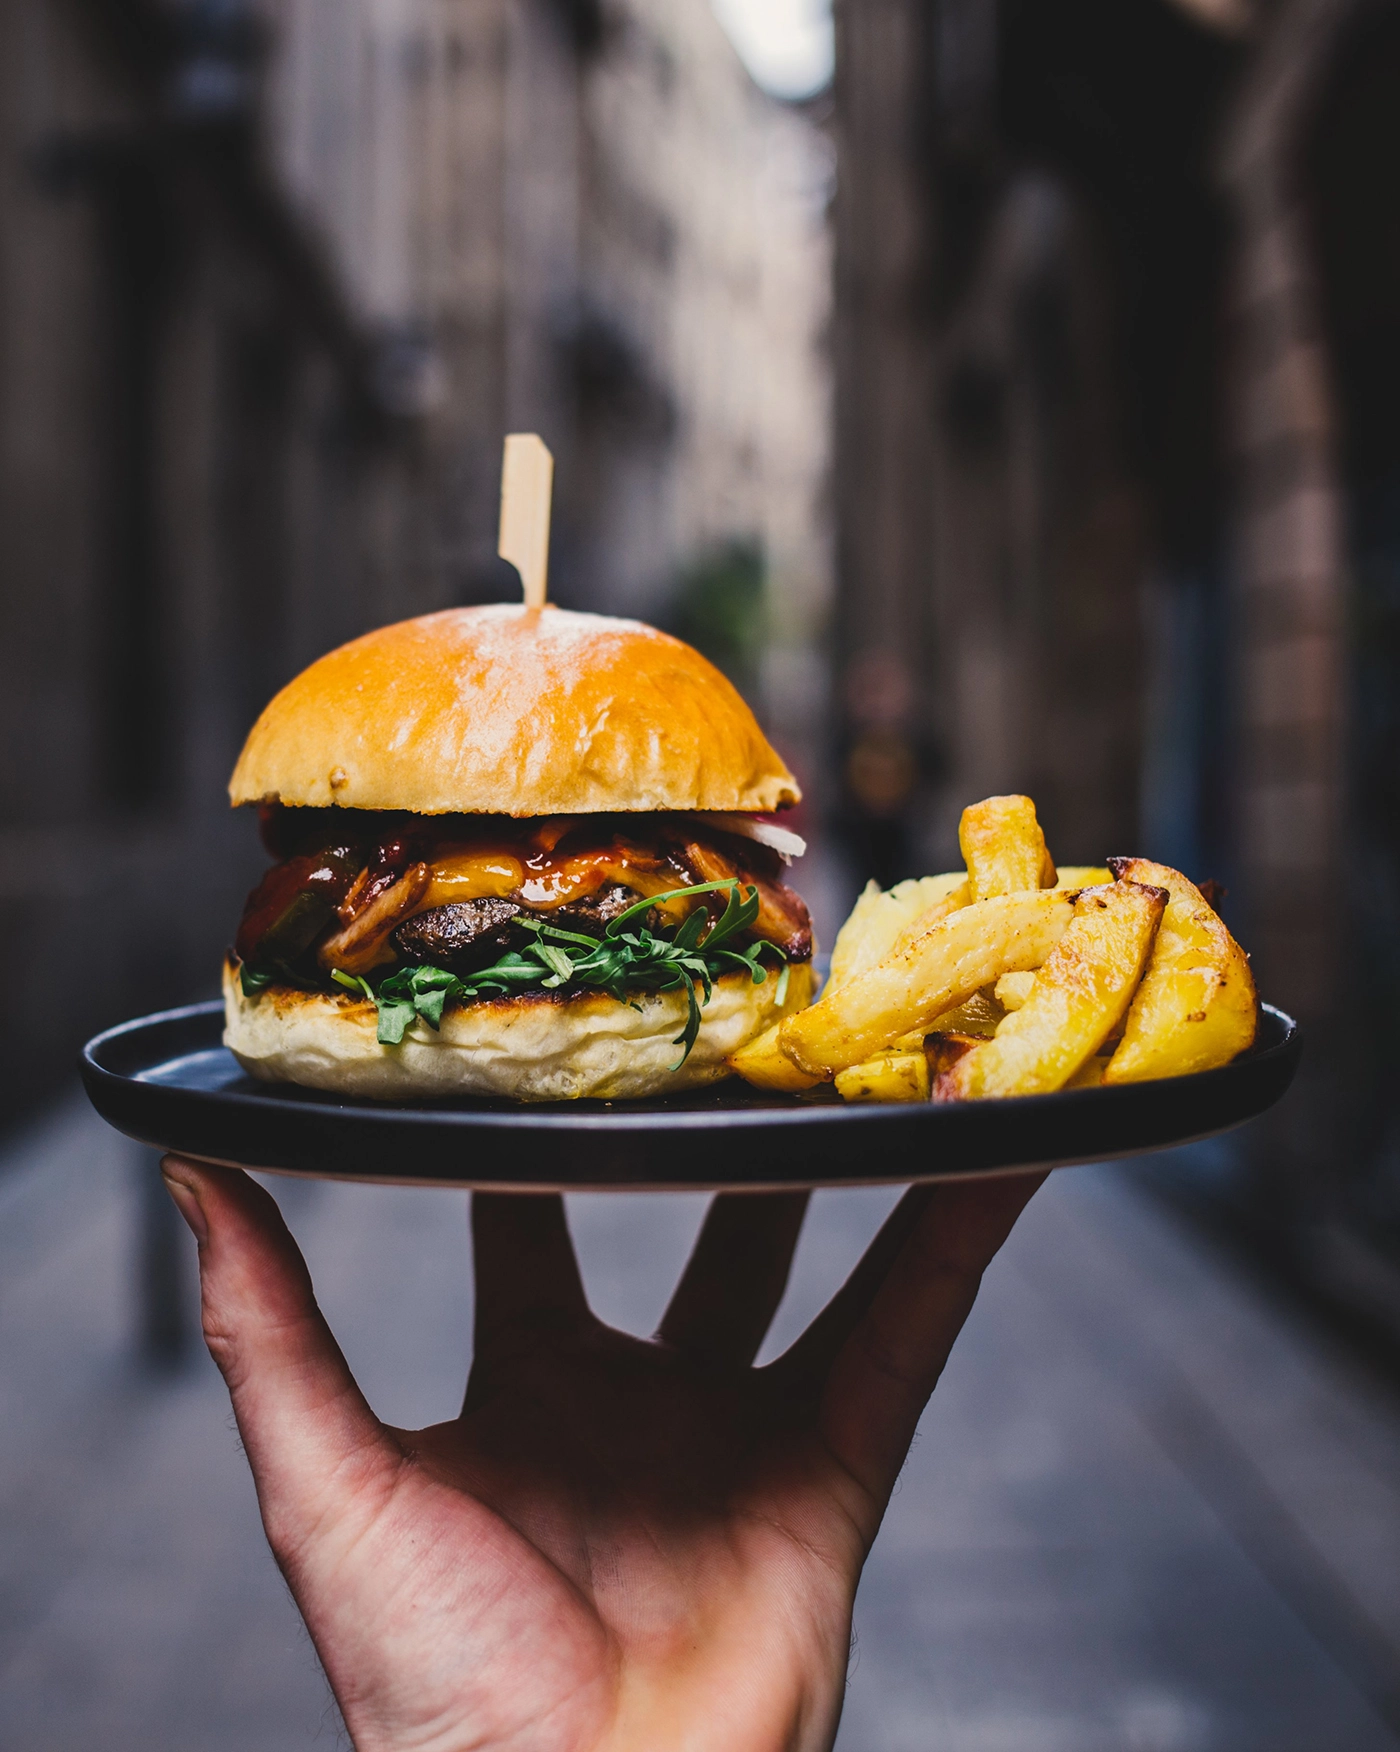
x=555, y=882
x=542, y=880
x=470, y=876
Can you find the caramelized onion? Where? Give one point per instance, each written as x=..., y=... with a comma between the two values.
x=363, y=943
x=782, y=915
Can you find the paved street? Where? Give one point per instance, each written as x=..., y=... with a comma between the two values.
x=1149, y=1511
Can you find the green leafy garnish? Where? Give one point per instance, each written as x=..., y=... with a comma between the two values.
x=257, y=979
x=620, y=962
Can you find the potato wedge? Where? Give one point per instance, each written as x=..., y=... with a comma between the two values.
x=764, y=1064
x=869, y=902
x=1004, y=848
x=880, y=915
x=1090, y=1074
x=1083, y=876
x=977, y=1019
x=889, y=1076
x=943, y=1050
x=1081, y=992
x=1013, y=989
x=980, y=1015
x=952, y=902
x=929, y=974
x=1196, y=1007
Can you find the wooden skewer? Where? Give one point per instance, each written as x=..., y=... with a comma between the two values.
x=527, y=484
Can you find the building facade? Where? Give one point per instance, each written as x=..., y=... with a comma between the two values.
x=274, y=283
x=1115, y=330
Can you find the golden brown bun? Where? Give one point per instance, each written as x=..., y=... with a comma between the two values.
x=512, y=711
x=529, y=1049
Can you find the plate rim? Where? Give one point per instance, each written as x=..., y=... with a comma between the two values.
x=540, y=1127
x=598, y=1115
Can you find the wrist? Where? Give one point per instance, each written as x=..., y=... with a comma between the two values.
x=707, y=1704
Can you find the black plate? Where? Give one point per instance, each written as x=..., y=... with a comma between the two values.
x=169, y=1081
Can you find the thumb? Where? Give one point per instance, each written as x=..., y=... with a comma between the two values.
x=308, y=1433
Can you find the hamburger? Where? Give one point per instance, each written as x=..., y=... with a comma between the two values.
x=517, y=852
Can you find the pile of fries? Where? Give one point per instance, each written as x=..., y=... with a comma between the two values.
x=1013, y=978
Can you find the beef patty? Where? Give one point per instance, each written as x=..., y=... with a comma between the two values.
x=466, y=935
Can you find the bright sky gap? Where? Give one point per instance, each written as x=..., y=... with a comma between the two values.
x=787, y=45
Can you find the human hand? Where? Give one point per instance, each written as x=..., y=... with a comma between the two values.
x=619, y=1545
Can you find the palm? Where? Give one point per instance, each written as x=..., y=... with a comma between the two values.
x=629, y=1498
x=618, y=1543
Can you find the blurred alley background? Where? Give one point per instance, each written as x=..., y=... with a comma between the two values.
x=1001, y=392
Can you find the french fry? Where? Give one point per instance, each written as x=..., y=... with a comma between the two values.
x=930, y=973
x=980, y=1016
x=889, y=1076
x=942, y=1051
x=1004, y=848
x=977, y=1019
x=1196, y=1007
x=1015, y=977
x=880, y=915
x=1083, y=876
x=764, y=1064
x=953, y=901
x=1011, y=992
x=1090, y=1074
x=1080, y=993
x=1013, y=989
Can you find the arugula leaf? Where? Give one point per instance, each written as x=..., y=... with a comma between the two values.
x=394, y=1022
x=353, y=983
x=620, y=962
x=559, y=964
x=258, y=979
x=548, y=930
x=691, y=1032
x=430, y=1005
x=614, y=926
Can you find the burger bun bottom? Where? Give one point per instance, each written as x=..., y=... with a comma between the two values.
x=533, y=1048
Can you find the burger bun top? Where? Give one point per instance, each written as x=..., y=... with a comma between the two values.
x=508, y=710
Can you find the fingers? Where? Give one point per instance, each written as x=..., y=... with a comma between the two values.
x=304, y=1422
x=807, y=1362
x=735, y=1277
x=883, y=1374
x=527, y=1277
